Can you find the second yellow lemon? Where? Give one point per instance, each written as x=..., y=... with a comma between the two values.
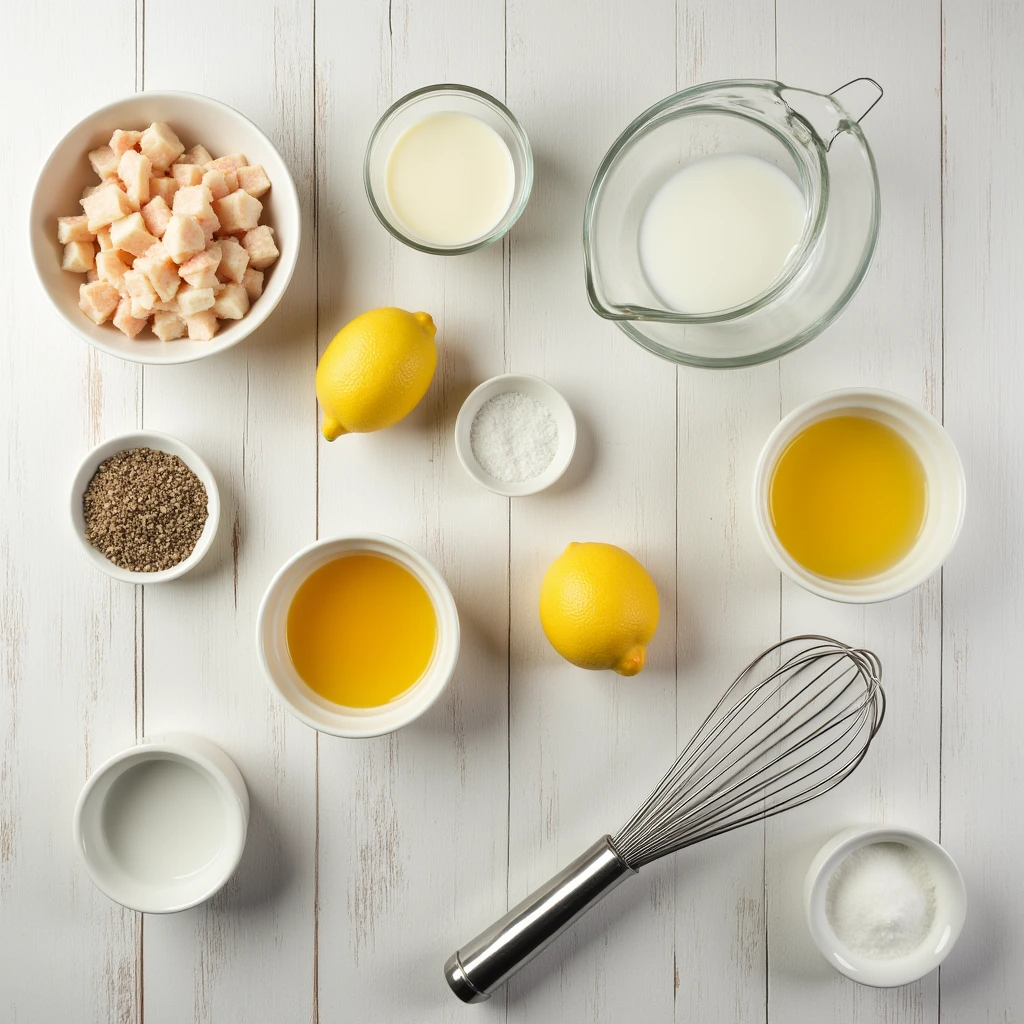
x=599, y=608
x=375, y=371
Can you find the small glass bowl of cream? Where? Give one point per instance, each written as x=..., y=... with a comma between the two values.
x=448, y=169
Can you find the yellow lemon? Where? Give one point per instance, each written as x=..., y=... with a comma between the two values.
x=599, y=608
x=375, y=371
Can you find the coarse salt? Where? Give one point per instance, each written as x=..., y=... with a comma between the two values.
x=881, y=900
x=513, y=437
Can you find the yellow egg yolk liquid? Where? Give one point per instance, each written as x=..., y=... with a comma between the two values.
x=361, y=630
x=848, y=497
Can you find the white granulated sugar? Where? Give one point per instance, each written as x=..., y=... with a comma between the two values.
x=513, y=437
x=881, y=900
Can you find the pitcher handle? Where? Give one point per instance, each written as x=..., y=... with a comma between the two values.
x=860, y=117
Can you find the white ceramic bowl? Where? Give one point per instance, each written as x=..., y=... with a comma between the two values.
x=537, y=389
x=308, y=706
x=160, y=442
x=946, y=486
x=950, y=908
x=161, y=846
x=195, y=119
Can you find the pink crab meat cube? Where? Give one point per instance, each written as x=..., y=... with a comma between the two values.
x=259, y=244
x=134, y=170
x=161, y=270
x=98, y=300
x=91, y=190
x=194, y=201
x=203, y=279
x=104, y=206
x=126, y=321
x=161, y=145
x=122, y=141
x=187, y=174
x=157, y=215
x=195, y=155
x=104, y=162
x=232, y=303
x=103, y=237
x=253, y=180
x=231, y=177
x=208, y=259
x=238, y=211
x=79, y=257
x=201, y=326
x=183, y=237
x=226, y=163
x=164, y=188
x=74, y=229
x=167, y=326
x=194, y=300
x=252, y=282
x=217, y=183
x=140, y=290
x=111, y=268
x=233, y=261
x=130, y=234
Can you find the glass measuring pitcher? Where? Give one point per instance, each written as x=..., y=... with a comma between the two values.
x=811, y=138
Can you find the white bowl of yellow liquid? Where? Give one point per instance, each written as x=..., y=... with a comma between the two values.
x=448, y=169
x=859, y=495
x=358, y=636
x=161, y=826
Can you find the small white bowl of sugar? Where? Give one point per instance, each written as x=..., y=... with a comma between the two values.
x=884, y=905
x=515, y=435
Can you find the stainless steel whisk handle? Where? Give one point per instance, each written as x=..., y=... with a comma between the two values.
x=486, y=963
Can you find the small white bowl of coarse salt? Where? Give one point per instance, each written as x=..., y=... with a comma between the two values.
x=515, y=435
x=884, y=905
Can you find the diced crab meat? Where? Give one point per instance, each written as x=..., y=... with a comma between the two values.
x=167, y=326
x=104, y=162
x=130, y=235
x=98, y=300
x=103, y=237
x=208, y=259
x=233, y=260
x=140, y=290
x=161, y=270
x=74, y=229
x=195, y=155
x=134, y=170
x=232, y=303
x=121, y=141
x=164, y=188
x=183, y=237
x=238, y=212
x=111, y=268
x=126, y=322
x=104, y=206
x=195, y=201
x=252, y=282
x=259, y=244
x=204, y=279
x=226, y=163
x=161, y=145
x=217, y=183
x=253, y=180
x=194, y=300
x=79, y=257
x=201, y=326
x=187, y=174
x=157, y=215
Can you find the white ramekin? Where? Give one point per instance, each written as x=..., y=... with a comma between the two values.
x=540, y=391
x=196, y=119
x=153, y=895
x=160, y=442
x=950, y=908
x=947, y=492
x=308, y=706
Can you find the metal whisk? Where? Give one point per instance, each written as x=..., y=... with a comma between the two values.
x=795, y=723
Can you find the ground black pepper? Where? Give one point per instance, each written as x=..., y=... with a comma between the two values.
x=144, y=509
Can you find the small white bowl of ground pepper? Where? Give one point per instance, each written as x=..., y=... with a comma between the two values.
x=144, y=507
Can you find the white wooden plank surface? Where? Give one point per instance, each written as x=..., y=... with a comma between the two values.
x=369, y=862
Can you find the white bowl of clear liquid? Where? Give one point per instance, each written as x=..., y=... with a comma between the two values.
x=798, y=153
